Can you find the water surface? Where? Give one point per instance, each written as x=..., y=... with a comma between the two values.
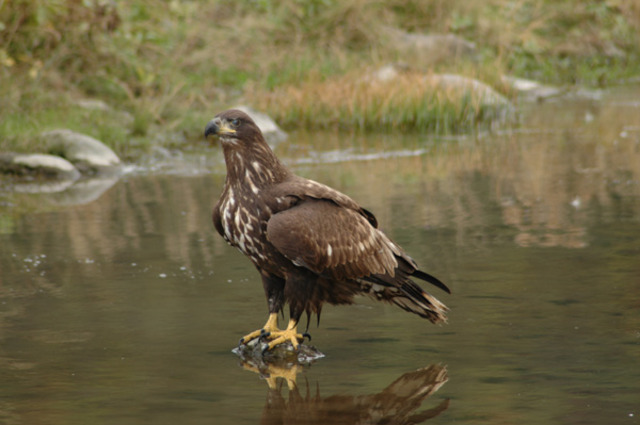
x=124, y=309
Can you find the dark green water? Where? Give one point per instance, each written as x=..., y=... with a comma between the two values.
x=125, y=309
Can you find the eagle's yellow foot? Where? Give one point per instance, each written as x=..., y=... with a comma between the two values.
x=282, y=336
x=269, y=327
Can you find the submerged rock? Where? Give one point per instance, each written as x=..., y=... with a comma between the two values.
x=70, y=156
x=252, y=352
x=38, y=165
x=273, y=134
x=89, y=155
x=531, y=90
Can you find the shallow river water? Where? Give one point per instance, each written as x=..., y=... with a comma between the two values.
x=124, y=309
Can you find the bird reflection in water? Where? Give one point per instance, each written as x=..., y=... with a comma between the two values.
x=398, y=403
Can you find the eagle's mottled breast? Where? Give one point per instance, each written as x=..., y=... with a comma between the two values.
x=244, y=209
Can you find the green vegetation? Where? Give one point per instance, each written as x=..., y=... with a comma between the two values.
x=170, y=65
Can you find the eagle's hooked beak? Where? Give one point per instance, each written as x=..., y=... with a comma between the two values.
x=217, y=127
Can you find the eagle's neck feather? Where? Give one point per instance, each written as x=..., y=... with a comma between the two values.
x=253, y=165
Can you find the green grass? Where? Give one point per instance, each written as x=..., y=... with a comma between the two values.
x=20, y=130
x=172, y=65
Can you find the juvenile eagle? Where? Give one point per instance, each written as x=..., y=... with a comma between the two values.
x=311, y=244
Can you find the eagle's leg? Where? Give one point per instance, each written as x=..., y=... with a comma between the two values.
x=274, y=290
x=268, y=328
x=281, y=336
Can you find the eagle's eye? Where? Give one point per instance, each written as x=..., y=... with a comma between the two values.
x=235, y=122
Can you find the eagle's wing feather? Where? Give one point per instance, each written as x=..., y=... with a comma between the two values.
x=341, y=244
x=331, y=240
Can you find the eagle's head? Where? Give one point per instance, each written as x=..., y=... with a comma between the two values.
x=233, y=127
x=243, y=145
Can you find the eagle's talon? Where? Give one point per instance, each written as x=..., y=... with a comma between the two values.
x=265, y=331
x=306, y=335
x=264, y=336
x=289, y=335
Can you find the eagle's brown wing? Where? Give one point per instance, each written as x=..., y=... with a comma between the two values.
x=341, y=244
x=332, y=240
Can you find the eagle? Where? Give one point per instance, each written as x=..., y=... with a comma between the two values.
x=310, y=243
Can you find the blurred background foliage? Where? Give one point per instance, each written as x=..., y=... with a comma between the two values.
x=170, y=65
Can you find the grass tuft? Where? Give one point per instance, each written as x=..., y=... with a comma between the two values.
x=412, y=101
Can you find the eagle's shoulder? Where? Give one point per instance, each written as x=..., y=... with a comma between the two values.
x=296, y=189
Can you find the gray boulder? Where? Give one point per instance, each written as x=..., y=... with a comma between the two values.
x=444, y=82
x=89, y=155
x=496, y=107
x=479, y=90
x=38, y=165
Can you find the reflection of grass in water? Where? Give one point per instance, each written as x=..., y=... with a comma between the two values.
x=543, y=184
x=7, y=224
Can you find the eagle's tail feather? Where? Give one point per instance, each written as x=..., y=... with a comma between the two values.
x=414, y=299
x=408, y=296
x=431, y=279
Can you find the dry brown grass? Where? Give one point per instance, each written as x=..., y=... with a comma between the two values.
x=631, y=10
x=358, y=101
